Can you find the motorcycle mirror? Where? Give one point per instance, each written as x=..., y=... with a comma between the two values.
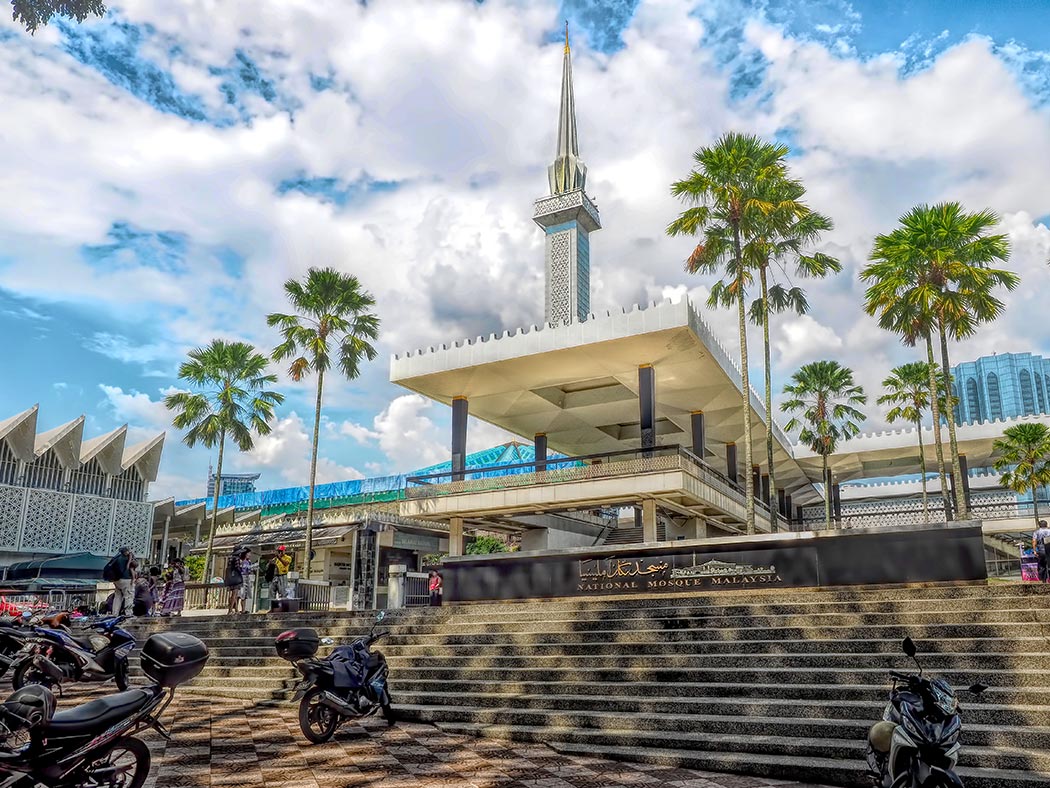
x=909, y=647
x=327, y=641
x=977, y=689
x=381, y=616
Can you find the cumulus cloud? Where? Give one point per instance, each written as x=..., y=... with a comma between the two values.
x=405, y=142
x=285, y=452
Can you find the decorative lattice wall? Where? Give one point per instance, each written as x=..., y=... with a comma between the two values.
x=132, y=526
x=46, y=522
x=11, y=501
x=559, y=296
x=92, y=518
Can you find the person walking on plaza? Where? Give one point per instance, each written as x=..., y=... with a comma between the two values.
x=174, y=590
x=282, y=563
x=435, y=589
x=245, y=559
x=1039, y=543
x=120, y=571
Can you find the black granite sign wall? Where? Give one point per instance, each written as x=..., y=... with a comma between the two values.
x=908, y=555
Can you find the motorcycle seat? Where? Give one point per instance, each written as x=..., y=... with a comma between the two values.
x=97, y=715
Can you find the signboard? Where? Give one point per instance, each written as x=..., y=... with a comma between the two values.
x=887, y=555
x=424, y=544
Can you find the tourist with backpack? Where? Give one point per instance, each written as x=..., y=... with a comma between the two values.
x=1039, y=543
x=234, y=580
x=121, y=573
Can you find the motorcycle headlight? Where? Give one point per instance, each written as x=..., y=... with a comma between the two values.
x=127, y=648
x=911, y=726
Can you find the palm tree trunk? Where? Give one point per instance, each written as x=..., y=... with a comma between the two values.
x=214, y=511
x=1035, y=503
x=935, y=409
x=774, y=520
x=745, y=392
x=922, y=469
x=313, y=478
x=946, y=371
x=827, y=492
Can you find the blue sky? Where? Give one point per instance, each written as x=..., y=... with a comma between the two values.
x=167, y=168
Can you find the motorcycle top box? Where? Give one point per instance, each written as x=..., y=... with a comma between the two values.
x=173, y=658
x=296, y=644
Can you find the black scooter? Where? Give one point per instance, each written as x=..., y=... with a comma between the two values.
x=52, y=657
x=94, y=744
x=917, y=743
x=348, y=684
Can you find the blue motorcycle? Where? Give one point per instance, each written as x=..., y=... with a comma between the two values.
x=52, y=657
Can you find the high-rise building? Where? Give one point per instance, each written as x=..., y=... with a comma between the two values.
x=1001, y=386
x=232, y=483
x=567, y=216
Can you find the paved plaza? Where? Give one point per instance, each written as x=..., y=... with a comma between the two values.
x=235, y=743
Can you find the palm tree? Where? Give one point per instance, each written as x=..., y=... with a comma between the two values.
x=908, y=390
x=937, y=266
x=729, y=197
x=1024, y=460
x=781, y=240
x=230, y=400
x=333, y=319
x=823, y=400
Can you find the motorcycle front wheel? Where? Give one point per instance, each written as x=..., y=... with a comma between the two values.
x=124, y=764
x=317, y=721
x=27, y=673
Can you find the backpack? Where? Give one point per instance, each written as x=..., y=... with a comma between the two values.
x=110, y=573
x=1040, y=542
x=271, y=571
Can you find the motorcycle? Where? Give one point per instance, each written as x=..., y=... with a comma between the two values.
x=349, y=684
x=54, y=656
x=94, y=744
x=16, y=631
x=917, y=743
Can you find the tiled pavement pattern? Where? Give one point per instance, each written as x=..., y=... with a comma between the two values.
x=236, y=743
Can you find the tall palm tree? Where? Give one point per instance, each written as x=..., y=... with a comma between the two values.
x=332, y=320
x=908, y=391
x=1024, y=460
x=780, y=242
x=937, y=264
x=729, y=196
x=229, y=400
x=823, y=400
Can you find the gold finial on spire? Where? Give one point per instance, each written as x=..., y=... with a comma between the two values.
x=566, y=36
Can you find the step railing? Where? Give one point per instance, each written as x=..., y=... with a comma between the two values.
x=314, y=594
x=417, y=589
x=206, y=596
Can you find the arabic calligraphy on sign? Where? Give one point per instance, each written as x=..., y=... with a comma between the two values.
x=617, y=568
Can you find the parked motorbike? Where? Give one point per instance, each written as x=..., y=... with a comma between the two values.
x=94, y=744
x=16, y=631
x=348, y=684
x=917, y=743
x=54, y=656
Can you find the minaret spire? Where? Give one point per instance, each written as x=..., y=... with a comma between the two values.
x=567, y=216
x=567, y=173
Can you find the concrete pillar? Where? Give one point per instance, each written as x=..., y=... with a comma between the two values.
x=197, y=533
x=455, y=536
x=964, y=470
x=649, y=520
x=647, y=405
x=800, y=516
x=696, y=422
x=459, y=437
x=789, y=513
x=756, y=481
x=539, y=445
x=783, y=509
x=836, y=502
x=637, y=516
x=765, y=491
x=395, y=592
x=164, y=541
x=731, y=462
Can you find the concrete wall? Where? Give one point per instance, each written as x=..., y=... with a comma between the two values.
x=553, y=539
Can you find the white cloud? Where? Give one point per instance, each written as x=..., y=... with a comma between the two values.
x=286, y=451
x=138, y=408
x=803, y=338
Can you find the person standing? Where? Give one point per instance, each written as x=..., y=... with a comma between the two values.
x=1039, y=544
x=282, y=563
x=435, y=589
x=121, y=572
x=175, y=590
x=234, y=581
x=245, y=560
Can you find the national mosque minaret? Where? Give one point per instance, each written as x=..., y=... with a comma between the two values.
x=567, y=216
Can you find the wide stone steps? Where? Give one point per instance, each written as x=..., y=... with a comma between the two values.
x=792, y=746
x=782, y=684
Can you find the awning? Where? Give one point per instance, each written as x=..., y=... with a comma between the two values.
x=291, y=537
x=76, y=565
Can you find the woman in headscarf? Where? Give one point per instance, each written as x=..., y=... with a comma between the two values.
x=174, y=590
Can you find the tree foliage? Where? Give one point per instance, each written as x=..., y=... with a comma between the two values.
x=483, y=545
x=32, y=14
x=1024, y=459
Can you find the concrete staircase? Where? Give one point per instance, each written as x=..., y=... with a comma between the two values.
x=772, y=683
x=633, y=535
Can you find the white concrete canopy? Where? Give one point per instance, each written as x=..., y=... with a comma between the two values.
x=108, y=449
x=145, y=456
x=578, y=384
x=20, y=433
